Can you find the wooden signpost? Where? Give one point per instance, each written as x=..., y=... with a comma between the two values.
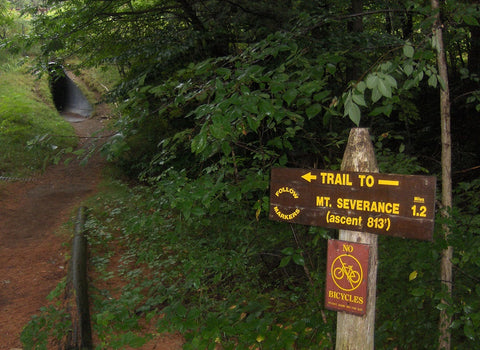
x=361, y=203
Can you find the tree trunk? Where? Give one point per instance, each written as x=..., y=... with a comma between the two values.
x=356, y=26
x=474, y=52
x=446, y=264
x=357, y=332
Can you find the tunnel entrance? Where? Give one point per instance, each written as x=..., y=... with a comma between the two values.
x=67, y=97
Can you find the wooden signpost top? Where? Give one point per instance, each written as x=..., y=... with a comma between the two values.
x=396, y=205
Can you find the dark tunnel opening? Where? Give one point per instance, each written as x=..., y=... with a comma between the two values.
x=67, y=97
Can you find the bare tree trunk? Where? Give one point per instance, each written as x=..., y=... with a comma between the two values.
x=446, y=264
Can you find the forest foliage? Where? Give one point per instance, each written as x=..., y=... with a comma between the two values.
x=215, y=93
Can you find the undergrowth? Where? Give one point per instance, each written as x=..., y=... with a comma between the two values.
x=215, y=278
x=172, y=258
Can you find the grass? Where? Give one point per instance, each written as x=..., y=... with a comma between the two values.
x=31, y=130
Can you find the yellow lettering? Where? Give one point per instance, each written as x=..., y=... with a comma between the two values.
x=336, y=179
x=360, y=205
x=329, y=179
x=388, y=208
x=287, y=190
x=347, y=180
x=368, y=180
x=323, y=175
x=381, y=207
x=345, y=297
x=286, y=216
x=323, y=201
x=366, y=205
x=344, y=220
x=369, y=206
x=396, y=208
x=339, y=203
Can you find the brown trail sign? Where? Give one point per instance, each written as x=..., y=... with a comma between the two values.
x=395, y=205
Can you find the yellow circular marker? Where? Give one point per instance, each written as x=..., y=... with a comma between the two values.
x=347, y=273
x=290, y=192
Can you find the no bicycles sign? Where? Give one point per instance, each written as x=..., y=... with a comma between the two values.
x=347, y=271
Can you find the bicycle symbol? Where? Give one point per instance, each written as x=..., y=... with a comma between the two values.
x=347, y=273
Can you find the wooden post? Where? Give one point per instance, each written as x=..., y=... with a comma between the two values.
x=357, y=332
x=81, y=335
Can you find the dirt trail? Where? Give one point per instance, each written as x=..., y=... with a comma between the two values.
x=32, y=253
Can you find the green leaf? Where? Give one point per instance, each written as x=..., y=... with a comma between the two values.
x=372, y=81
x=276, y=87
x=408, y=69
x=470, y=20
x=386, y=110
x=361, y=86
x=313, y=110
x=251, y=104
x=298, y=259
x=432, y=81
x=321, y=96
x=310, y=87
x=199, y=142
x=413, y=275
x=441, y=307
x=203, y=67
x=419, y=76
x=253, y=122
x=376, y=95
x=410, y=83
x=469, y=331
x=359, y=99
x=198, y=211
x=408, y=50
x=418, y=292
x=218, y=131
x=353, y=111
x=266, y=107
x=225, y=73
x=442, y=82
x=390, y=81
x=331, y=68
x=384, y=88
x=455, y=324
x=290, y=96
x=226, y=148
x=284, y=262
